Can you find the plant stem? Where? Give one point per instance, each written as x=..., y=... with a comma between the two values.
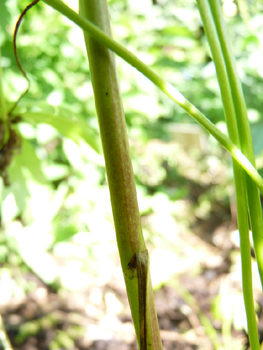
x=243, y=227
x=119, y=170
x=113, y=135
x=3, y=115
x=243, y=128
x=4, y=340
x=167, y=88
x=234, y=105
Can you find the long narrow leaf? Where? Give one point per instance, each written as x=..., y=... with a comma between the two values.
x=168, y=89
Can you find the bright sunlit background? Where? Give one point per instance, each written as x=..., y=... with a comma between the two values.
x=61, y=284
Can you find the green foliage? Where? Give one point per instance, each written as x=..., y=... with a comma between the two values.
x=57, y=162
x=174, y=46
x=28, y=329
x=64, y=339
x=5, y=18
x=74, y=129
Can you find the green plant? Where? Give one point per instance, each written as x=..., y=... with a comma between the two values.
x=235, y=95
x=246, y=186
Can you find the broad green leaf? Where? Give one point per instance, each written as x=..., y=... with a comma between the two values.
x=64, y=233
x=175, y=30
x=25, y=160
x=18, y=183
x=73, y=129
x=31, y=162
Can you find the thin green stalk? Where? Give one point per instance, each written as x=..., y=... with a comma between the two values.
x=121, y=179
x=167, y=88
x=229, y=81
x=4, y=340
x=3, y=115
x=243, y=127
x=247, y=284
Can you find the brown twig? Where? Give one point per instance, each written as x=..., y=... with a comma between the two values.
x=18, y=23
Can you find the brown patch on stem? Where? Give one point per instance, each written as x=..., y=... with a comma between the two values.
x=11, y=147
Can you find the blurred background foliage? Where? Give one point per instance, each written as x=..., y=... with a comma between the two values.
x=55, y=212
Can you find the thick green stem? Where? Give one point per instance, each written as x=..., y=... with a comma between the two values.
x=168, y=89
x=114, y=136
x=118, y=163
